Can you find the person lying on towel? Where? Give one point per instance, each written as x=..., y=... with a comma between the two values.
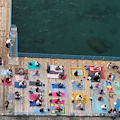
x=22, y=84
x=79, y=84
x=38, y=83
x=37, y=64
x=58, y=109
x=79, y=98
x=104, y=107
x=17, y=96
x=39, y=102
x=61, y=76
x=58, y=93
x=80, y=105
x=36, y=73
x=60, y=85
x=43, y=110
x=8, y=80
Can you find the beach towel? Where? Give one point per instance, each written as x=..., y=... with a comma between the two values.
x=60, y=102
x=34, y=90
x=96, y=105
x=32, y=96
x=11, y=96
x=76, y=108
x=33, y=104
x=85, y=101
x=33, y=66
x=32, y=72
x=117, y=106
x=117, y=90
x=19, y=77
x=53, y=68
x=53, y=76
x=54, y=94
x=16, y=85
x=33, y=83
x=37, y=111
x=74, y=86
x=3, y=82
x=4, y=72
x=101, y=72
x=81, y=71
x=55, y=85
x=109, y=86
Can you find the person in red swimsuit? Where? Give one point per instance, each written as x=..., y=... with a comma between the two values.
x=36, y=73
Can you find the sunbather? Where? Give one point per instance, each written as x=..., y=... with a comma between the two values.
x=58, y=93
x=115, y=67
x=22, y=84
x=37, y=97
x=60, y=85
x=104, y=107
x=42, y=109
x=10, y=72
x=80, y=105
x=97, y=78
x=9, y=43
x=17, y=96
x=8, y=80
x=36, y=73
x=39, y=102
x=38, y=83
x=100, y=99
x=57, y=101
x=37, y=64
x=109, y=65
x=102, y=91
x=25, y=77
x=97, y=74
x=58, y=109
x=76, y=73
x=39, y=89
x=96, y=67
x=79, y=98
x=79, y=84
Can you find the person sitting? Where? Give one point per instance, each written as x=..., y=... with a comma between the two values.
x=89, y=77
x=25, y=77
x=10, y=72
x=17, y=96
x=86, y=67
x=50, y=93
x=36, y=73
x=43, y=110
x=104, y=107
x=37, y=97
x=21, y=71
x=79, y=98
x=60, y=85
x=97, y=74
x=9, y=43
x=57, y=101
x=8, y=80
x=58, y=68
x=39, y=89
x=58, y=93
x=110, y=111
x=38, y=83
x=97, y=78
x=79, y=84
x=97, y=85
x=22, y=84
x=60, y=75
x=37, y=64
x=100, y=99
x=76, y=73
x=80, y=105
x=39, y=102
x=58, y=109
x=101, y=91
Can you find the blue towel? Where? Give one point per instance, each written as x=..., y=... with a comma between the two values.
x=96, y=105
x=112, y=78
x=38, y=111
x=55, y=85
x=32, y=72
x=117, y=106
x=34, y=104
x=33, y=66
x=16, y=85
x=75, y=87
x=108, y=83
x=33, y=83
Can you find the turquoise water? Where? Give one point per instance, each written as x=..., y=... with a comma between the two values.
x=77, y=27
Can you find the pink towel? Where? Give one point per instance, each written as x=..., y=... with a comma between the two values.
x=54, y=94
x=32, y=96
x=56, y=107
x=18, y=77
x=60, y=102
x=5, y=83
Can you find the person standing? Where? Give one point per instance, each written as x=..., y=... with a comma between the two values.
x=6, y=104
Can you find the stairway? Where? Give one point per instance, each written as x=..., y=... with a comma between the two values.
x=13, y=37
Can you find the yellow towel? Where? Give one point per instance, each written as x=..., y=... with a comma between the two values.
x=76, y=68
x=85, y=101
